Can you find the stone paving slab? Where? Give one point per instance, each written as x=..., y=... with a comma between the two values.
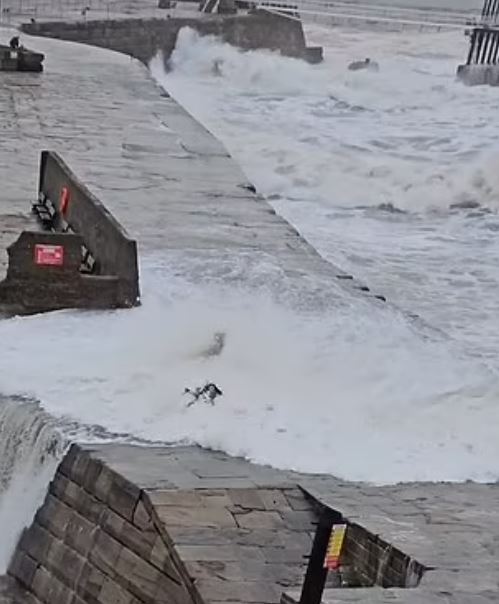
x=453, y=528
x=11, y=593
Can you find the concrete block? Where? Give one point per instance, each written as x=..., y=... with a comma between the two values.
x=105, y=553
x=49, y=589
x=142, y=518
x=64, y=563
x=215, y=497
x=103, y=483
x=185, y=535
x=247, y=570
x=223, y=553
x=208, y=517
x=300, y=521
x=278, y=538
x=36, y=542
x=244, y=591
x=246, y=498
x=177, y=498
x=222, y=483
x=274, y=499
x=296, y=500
x=284, y=555
x=161, y=558
x=90, y=583
x=76, y=497
x=54, y=516
x=23, y=568
x=141, y=542
x=92, y=474
x=171, y=592
x=77, y=468
x=80, y=533
x=142, y=578
x=123, y=497
x=259, y=520
x=66, y=465
x=240, y=536
x=112, y=593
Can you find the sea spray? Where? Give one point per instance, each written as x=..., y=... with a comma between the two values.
x=30, y=448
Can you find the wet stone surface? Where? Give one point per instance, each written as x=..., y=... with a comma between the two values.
x=452, y=528
x=11, y=593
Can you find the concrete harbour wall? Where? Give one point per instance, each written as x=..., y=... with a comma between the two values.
x=143, y=38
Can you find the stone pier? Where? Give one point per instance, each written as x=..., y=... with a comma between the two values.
x=144, y=38
x=156, y=525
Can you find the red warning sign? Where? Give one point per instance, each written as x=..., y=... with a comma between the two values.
x=49, y=255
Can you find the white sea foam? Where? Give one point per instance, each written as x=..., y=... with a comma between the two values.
x=330, y=146
x=329, y=382
x=355, y=393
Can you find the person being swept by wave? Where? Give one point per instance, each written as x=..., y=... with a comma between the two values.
x=365, y=64
x=216, y=68
x=207, y=393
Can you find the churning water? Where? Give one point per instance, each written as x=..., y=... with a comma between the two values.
x=392, y=175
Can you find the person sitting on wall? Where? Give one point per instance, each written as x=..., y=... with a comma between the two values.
x=365, y=64
x=14, y=43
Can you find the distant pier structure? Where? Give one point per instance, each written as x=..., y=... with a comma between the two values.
x=481, y=65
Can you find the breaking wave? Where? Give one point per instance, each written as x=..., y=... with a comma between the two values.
x=314, y=390
x=30, y=448
x=408, y=135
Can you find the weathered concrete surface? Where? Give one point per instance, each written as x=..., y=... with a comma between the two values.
x=12, y=593
x=241, y=530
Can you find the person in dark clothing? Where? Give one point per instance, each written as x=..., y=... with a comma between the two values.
x=207, y=393
x=14, y=43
